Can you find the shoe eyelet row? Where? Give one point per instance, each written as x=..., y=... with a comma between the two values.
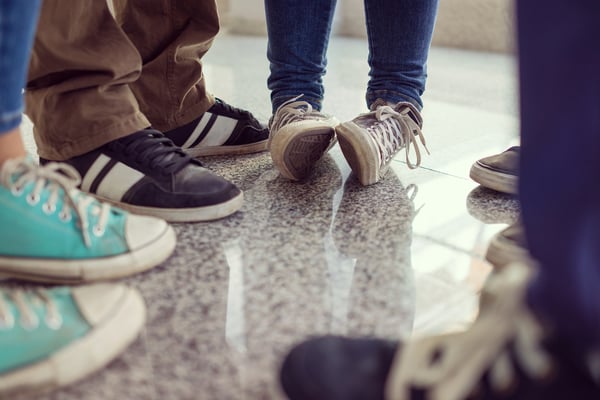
x=16, y=191
x=48, y=209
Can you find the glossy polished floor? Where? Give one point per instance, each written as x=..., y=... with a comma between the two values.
x=401, y=257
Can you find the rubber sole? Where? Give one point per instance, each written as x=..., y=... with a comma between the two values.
x=71, y=271
x=194, y=214
x=85, y=356
x=250, y=148
x=494, y=180
x=295, y=150
x=360, y=153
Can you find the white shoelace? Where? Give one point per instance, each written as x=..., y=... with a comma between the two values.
x=394, y=130
x=293, y=110
x=29, y=319
x=18, y=173
x=462, y=358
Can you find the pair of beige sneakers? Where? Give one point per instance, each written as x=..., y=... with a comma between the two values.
x=301, y=135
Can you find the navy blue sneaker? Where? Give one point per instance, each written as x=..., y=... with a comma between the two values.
x=145, y=173
x=222, y=130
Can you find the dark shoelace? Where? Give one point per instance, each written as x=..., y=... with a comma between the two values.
x=150, y=147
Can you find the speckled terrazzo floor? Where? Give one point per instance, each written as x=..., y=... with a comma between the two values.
x=401, y=257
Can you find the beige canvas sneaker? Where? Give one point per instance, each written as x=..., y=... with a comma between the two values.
x=300, y=135
x=371, y=140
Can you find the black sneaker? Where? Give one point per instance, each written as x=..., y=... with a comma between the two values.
x=145, y=173
x=222, y=130
x=506, y=354
x=498, y=172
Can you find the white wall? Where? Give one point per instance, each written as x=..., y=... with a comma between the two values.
x=471, y=24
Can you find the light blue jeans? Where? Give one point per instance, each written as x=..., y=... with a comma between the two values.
x=399, y=33
x=18, y=20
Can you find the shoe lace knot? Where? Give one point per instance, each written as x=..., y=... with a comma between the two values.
x=60, y=181
x=394, y=128
x=294, y=110
x=451, y=367
x=24, y=302
x=153, y=150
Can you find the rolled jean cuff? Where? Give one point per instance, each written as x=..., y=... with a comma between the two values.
x=393, y=97
x=278, y=100
x=10, y=121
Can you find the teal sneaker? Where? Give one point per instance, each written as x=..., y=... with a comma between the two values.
x=51, y=338
x=52, y=232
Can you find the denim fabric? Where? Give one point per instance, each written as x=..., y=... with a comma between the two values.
x=17, y=28
x=399, y=33
x=559, y=190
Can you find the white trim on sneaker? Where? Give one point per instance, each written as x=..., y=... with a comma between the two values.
x=110, y=179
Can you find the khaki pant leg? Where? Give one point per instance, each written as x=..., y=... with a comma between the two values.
x=171, y=37
x=78, y=94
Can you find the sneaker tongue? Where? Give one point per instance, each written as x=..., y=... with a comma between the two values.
x=380, y=102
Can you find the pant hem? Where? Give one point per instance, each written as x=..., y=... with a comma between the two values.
x=60, y=151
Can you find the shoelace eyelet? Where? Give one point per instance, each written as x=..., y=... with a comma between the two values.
x=54, y=322
x=32, y=199
x=64, y=216
x=17, y=191
x=98, y=232
x=7, y=322
x=48, y=209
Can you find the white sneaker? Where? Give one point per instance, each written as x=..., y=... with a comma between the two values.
x=371, y=140
x=299, y=137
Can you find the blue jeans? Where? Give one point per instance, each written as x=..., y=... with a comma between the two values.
x=18, y=19
x=399, y=33
x=560, y=163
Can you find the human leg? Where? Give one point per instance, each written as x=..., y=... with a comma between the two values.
x=172, y=36
x=298, y=40
x=399, y=34
x=297, y=49
x=49, y=338
x=37, y=205
x=562, y=226
x=17, y=28
x=534, y=339
x=85, y=113
x=78, y=94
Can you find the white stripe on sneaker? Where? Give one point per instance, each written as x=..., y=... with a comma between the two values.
x=220, y=131
x=197, y=131
x=93, y=172
x=118, y=181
